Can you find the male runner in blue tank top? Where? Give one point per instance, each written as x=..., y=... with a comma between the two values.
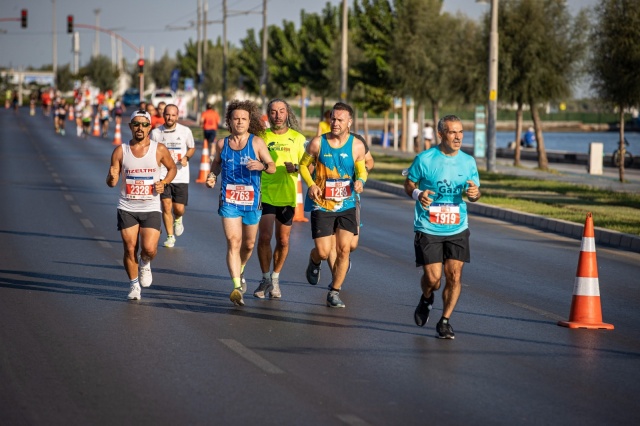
x=242, y=158
x=339, y=173
x=437, y=179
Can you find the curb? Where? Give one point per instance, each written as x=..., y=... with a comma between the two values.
x=603, y=236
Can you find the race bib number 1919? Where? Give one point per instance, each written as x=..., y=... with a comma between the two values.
x=444, y=214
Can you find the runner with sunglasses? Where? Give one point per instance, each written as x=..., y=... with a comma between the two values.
x=138, y=162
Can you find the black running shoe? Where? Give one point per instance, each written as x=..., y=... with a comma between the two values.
x=421, y=315
x=313, y=272
x=444, y=329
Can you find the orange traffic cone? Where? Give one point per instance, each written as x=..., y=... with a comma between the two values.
x=205, y=167
x=299, y=215
x=96, y=126
x=117, y=138
x=71, y=113
x=586, y=311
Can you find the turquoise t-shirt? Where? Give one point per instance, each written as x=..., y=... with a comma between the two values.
x=447, y=177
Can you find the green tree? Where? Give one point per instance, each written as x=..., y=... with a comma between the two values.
x=161, y=70
x=64, y=78
x=615, y=58
x=544, y=48
x=101, y=72
x=250, y=63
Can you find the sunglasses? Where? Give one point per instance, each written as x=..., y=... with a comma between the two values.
x=139, y=123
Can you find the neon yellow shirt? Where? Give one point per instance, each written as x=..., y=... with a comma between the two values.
x=281, y=188
x=324, y=127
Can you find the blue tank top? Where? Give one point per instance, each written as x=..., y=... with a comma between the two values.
x=240, y=187
x=334, y=174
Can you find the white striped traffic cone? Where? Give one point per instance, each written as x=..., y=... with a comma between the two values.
x=205, y=167
x=586, y=311
x=299, y=214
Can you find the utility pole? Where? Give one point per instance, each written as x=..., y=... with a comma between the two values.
x=199, y=56
x=96, y=43
x=263, y=77
x=54, y=40
x=205, y=48
x=493, y=89
x=224, y=56
x=344, y=61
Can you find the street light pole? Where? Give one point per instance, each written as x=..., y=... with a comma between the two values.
x=493, y=89
x=265, y=40
x=344, y=58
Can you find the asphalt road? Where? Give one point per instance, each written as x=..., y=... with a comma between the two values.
x=73, y=350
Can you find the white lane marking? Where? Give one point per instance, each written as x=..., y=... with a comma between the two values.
x=352, y=420
x=251, y=356
x=68, y=197
x=103, y=241
x=539, y=311
x=87, y=223
x=76, y=208
x=372, y=251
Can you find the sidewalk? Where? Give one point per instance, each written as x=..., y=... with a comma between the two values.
x=571, y=173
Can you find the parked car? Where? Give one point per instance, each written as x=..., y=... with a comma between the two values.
x=131, y=97
x=163, y=95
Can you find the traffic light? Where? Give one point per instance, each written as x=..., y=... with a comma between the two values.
x=140, y=65
x=23, y=18
x=70, y=24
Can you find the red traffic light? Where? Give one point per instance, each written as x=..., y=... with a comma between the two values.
x=23, y=18
x=70, y=24
x=140, y=65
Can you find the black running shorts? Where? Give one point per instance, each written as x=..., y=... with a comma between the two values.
x=324, y=224
x=284, y=214
x=128, y=219
x=436, y=249
x=178, y=192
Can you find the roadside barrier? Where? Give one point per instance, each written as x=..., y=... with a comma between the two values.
x=96, y=126
x=117, y=138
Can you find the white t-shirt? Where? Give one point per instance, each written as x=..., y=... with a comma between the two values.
x=427, y=133
x=178, y=141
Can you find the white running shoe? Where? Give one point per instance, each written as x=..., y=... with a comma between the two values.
x=178, y=227
x=144, y=274
x=134, y=294
x=170, y=242
x=275, y=289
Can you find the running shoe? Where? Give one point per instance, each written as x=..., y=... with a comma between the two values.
x=170, y=242
x=421, y=315
x=236, y=297
x=263, y=288
x=178, y=227
x=144, y=274
x=313, y=272
x=333, y=300
x=444, y=329
x=275, y=289
x=134, y=293
x=243, y=284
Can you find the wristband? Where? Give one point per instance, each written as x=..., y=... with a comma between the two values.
x=187, y=157
x=416, y=194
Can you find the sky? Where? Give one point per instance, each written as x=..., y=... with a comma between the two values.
x=157, y=25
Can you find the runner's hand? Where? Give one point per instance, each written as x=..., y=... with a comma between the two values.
x=290, y=167
x=473, y=192
x=358, y=186
x=211, y=180
x=160, y=187
x=424, y=199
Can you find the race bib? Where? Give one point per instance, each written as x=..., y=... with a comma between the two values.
x=139, y=188
x=240, y=195
x=337, y=189
x=444, y=214
x=176, y=155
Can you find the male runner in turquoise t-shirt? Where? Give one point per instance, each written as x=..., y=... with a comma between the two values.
x=437, y=180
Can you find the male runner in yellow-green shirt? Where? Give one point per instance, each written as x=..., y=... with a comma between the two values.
x=279, y=193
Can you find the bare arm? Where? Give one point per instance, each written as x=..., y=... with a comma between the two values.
x=216, y=165
x=116, y=165
x=264, y=162
x=411, y=189
x=164, y=157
